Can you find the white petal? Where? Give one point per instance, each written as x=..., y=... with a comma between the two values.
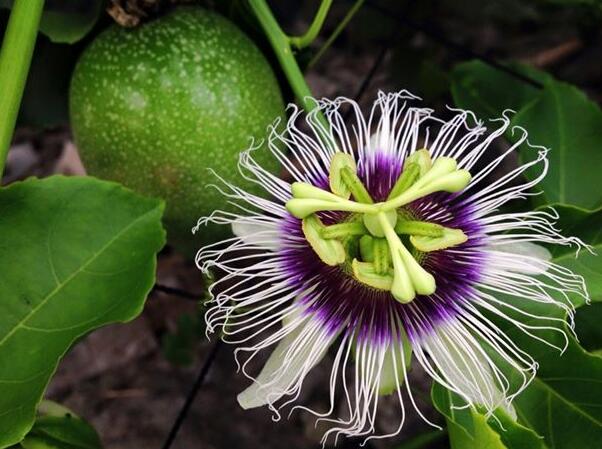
x=280, y=375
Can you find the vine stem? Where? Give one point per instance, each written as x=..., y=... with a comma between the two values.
x=281, y=45
x=15, y=58
x=315, y=27
x=340, y=27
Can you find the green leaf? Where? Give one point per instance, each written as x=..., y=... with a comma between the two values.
x=588, y=328
x=488, y=91
x=587, y=225
x=75, y=254
x=57, y=427
x=563, y=119
x=66, y=21
x=564, y=401
x=468, y=428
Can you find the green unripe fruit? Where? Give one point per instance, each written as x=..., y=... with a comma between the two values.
x=156, y=107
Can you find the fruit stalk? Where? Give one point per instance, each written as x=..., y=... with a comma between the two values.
x=15, y=58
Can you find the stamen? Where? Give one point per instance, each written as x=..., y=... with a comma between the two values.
x=366, y=273
x=343, y=179
x=421, y=228
x=355, y=185
x=337, y=184
x=415, y=166
x=408, y=177
x=330, y=251
x=341, y=230
x=450, y=237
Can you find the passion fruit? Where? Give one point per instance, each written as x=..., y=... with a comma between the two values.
x=157, y=106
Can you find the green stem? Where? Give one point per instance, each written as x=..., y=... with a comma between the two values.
x=314, y=29
x=281, y=46
x=340, y=27
x=15, y=58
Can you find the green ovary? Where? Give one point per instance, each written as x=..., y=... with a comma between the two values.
x=380, y=244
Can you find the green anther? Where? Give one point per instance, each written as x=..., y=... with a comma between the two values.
x=330, y=251
x=407, y=178
x=335, y=181
x=422, y=158
x=372, y=222
x=355, y=185
x=382, y=256
x=421, y=228
x=450, y=237
x=365, y=272
x=441, y=167
x=443, y=176
x=341, y=230
x=367, y=248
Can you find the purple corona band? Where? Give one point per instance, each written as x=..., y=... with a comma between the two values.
x=342, y=303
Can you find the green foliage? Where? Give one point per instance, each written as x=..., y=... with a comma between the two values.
x=587, y=225
x=57, y=427
x=77, y=253
x=488, y=91
x=563, y=402
x=563, y=119
x=469, y=428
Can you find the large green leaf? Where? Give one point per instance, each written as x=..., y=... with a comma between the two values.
x=488, y=91
x=468, y=428
x=75, y=254
x=566, y=121
x=563, y=403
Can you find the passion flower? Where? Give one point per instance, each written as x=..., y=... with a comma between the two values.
x=388, y=246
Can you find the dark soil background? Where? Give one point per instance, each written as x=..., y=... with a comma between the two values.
x=120, y=378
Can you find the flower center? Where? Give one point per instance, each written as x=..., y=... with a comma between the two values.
x=373, y=240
